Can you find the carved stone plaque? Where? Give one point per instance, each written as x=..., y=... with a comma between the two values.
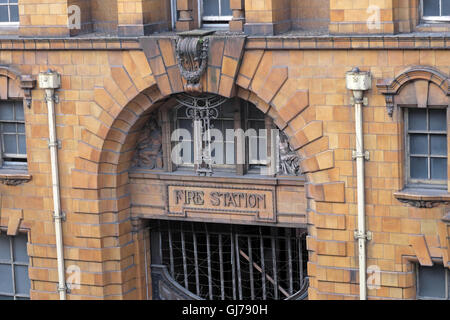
x=184, y=200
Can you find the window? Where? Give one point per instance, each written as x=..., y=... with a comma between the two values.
x=233, y=123
x=14, y=281
x=216, y=12
x=426, y=131
x=9, y=11
x=230, y=262
x=436, y=10
x=433, y=282
x=12, y=131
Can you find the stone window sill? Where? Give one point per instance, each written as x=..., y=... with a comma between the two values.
x=423, y=198
x=14, y=177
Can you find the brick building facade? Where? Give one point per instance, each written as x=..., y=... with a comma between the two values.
x=287, y=58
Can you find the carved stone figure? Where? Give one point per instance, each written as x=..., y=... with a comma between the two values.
x=149, y=153
x=289, y=159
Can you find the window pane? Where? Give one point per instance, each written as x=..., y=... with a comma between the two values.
x=417, y=119
x=5, y=253
x=418, y=144
x=22, y=145
x=438, y=120
x=438, y=145
x=431, y=7
x=22, y=280
x=14, y=12
x=6, y=111
x=419, y=168
x=445, y=7
x=9, y=127
x=4, y=17
x=6, y=298
x=20, y=248
x=226, y=10
x=211, y=7
x=439, y=168
x=10, y=143
x=6, y=284
x=432, y=281
x=19, y=111
x=21, y=128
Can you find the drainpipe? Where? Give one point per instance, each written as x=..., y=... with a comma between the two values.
x=358, y=82
x=50, y=81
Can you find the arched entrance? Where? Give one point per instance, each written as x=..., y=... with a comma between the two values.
x=220, y=195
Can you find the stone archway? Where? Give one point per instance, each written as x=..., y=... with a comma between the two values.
x=130, y=93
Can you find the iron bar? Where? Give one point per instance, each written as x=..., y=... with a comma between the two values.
x=172, y=266
x=263, y=265
x=183, y=249
x=291, y=282
x=197, y=278
x=233, y=272
x=238, y=264
x=250, y=267
x=208, y=250
x=222, y=285
x=274, y=268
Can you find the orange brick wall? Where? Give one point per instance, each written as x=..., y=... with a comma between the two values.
x=310, y=15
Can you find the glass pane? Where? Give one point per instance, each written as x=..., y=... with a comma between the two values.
x=438, y=145
x=4, y=17
x=14, y=12
x=431, y=7
x=20, y=248
x=445, y=7
x=432, y=282
x=20, y=128
x=226, y=10
x=10, y=143
x=419, y=168
x=6, y=284
x=229, y=146
x=19, y=111
x=210, y=7
x=5, y=253
x=438, y=120
x=254, y=112
x=9, y=127
x=6, y=298
x=22, y=280
x=6, y=111
x=439, y=168
x=22, y=145
x=418, y=144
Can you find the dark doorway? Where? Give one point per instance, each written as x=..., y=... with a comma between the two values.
x=227, y=262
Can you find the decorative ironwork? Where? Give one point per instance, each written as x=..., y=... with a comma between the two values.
x=192, y=57
x=200, y=261
x=289, y=159
x=202, y=109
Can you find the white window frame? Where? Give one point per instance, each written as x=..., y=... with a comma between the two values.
x=19, y=165
x=412, y=182
x=433, y=19
x=212, y=21
x=12, y=262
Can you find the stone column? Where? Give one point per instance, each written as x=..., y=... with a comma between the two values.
x=185, y=21
x=238, y=7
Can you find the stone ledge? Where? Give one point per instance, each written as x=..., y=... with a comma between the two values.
x=423, y=198
x=14, y=179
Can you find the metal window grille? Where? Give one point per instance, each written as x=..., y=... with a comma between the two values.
x=426, y=145
x=14, y=280
x=9, y=11
x=225, y=262
x=435, y=10
x=12, y=133
x=433, y=282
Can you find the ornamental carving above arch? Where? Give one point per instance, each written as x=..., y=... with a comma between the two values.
x=420, y=85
